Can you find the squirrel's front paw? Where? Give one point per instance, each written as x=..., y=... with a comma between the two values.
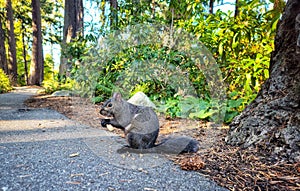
x=105, y=122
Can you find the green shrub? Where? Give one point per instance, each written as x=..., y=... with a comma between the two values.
x=241, y=46
x=54, y=84
x=4, y=82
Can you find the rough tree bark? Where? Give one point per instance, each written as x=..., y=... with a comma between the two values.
x=272, y=120
x=12, y=53
x=36, y=73
x=73, y=26
x=3, y=61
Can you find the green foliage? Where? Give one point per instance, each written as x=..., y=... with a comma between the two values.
x=241, y=46
x=52, y=19
x=151, y=68
x=234, y=106
x=193, y=108
x=54, y=84
x=52, y=81
x=49, y=72
x=5, y=85
x=198, y=108
x=84, y=71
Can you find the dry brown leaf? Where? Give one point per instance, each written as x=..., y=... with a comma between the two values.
x=191, y=163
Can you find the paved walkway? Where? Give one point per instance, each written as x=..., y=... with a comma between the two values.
x=41, y=149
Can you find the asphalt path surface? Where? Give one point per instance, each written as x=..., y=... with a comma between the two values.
x=41, y=149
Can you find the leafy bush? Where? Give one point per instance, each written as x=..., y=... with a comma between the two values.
x=188, y=107
x=52, y=80
x=241, y=46
x=198, y=108
x=54, y=84
x=4, y=82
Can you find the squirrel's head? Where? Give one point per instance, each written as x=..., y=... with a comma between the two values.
x=112, y=106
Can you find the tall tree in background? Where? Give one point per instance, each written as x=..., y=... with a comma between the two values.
x=24, y=53
x=114, y=12
x=178, y=11
x=236, y=10
x=3, y=63
x=273, y=118
x=24, y=30
x=12, y=53
x=211, y=6
x=278, y=7
x=37, y=61
x=73, y=27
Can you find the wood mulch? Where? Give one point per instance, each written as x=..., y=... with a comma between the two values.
x=231, y=167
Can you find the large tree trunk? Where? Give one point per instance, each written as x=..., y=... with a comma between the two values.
x=12, y=53
x=73, y=26
x=273, y=118
x=37, y=61
x=3, y=61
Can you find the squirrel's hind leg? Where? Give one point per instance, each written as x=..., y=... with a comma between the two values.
x=142, y=141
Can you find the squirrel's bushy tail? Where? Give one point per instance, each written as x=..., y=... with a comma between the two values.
x=170, y=145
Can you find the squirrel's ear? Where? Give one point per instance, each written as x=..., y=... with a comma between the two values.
x=117, y=96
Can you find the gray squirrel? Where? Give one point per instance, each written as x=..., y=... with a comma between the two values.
x=141, y=127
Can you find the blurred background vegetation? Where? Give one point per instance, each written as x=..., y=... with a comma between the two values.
x=241, y=41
